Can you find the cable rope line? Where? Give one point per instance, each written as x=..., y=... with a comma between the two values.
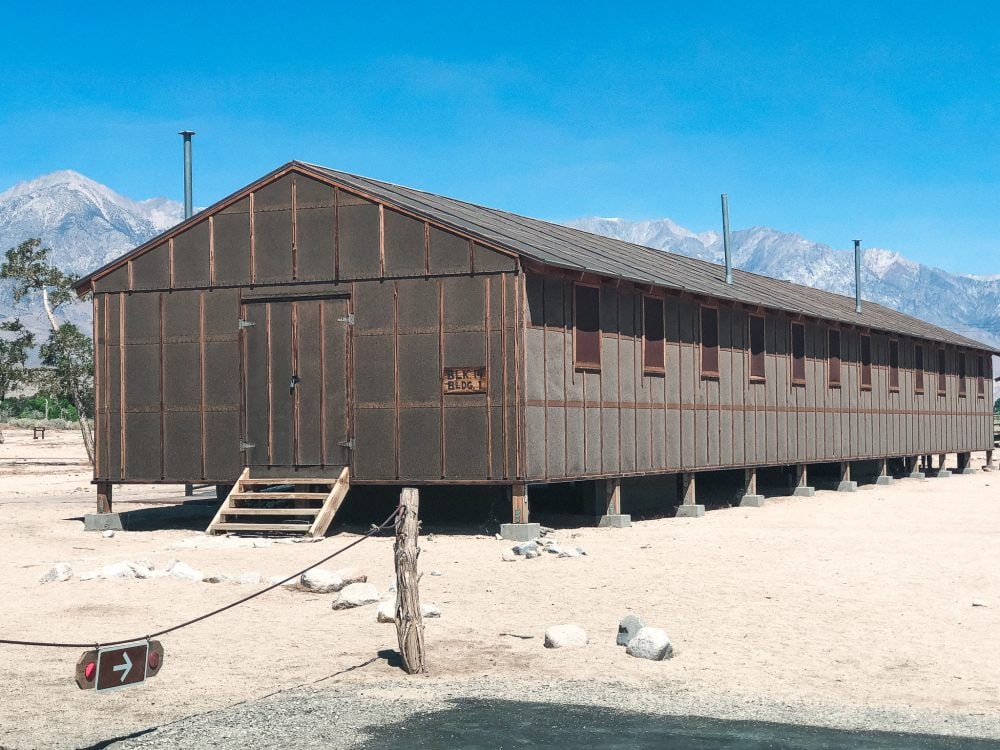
x=92, y=644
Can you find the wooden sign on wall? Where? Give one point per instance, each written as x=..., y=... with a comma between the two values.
x=464, y=380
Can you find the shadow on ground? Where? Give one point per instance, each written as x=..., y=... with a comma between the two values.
x=492, y=725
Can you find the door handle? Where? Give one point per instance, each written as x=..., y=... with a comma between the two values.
x=292, y=383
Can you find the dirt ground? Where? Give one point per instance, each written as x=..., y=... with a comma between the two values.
x=862, y=599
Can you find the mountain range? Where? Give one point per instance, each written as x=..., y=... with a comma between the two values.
x=87, y=224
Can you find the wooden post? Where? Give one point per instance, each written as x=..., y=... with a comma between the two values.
x=688, y=489
x=989, y=461
x=750, y=481
x=104, y=497
x=188, y=490
x=613, y=497
x=409, y=623
x=519, y=502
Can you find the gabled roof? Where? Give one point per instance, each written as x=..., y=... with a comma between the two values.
x=573, y=249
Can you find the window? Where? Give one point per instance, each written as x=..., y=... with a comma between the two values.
x=798, y=354
x=833, y=369
x=587, y=338
x=893, y=365
x=942, y=378
x=962, y=372
x=980, y=376
x=652, y=335
x=709, y=342
x=757, y=349
x=866, y=362
x=918, y=368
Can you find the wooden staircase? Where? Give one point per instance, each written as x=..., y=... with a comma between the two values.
x=289, y=506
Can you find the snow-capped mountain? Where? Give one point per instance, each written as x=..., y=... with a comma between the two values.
x=85, y=223
x=964, y=303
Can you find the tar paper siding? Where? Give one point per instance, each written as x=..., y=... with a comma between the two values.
x=170, y=359
x=621, y=421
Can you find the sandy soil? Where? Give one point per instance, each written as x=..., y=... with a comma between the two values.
x=856, y=601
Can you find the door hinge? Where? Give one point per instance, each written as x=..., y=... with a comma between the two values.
x=349, y=444
x=348, y=319
x=241, y=324
x=245, y=446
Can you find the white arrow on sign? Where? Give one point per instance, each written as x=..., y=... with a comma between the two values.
x=124, y=668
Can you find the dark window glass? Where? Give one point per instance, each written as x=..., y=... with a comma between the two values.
x=798, y=354
x=918, y=367
x=962, y=372
x=866, y=361
x=942, y=377
x=834, y=358
x=980, y=375
x=757, y=349
x=652, y=327
x=893, y=365
x=709, y=341
x=587, y=337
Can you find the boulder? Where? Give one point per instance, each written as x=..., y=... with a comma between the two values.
x=349, y=576
x=508, y=556
x=60, y=572
x=576, y=552
x=320, y=581
x=108, y=533
x=430, y=610
x=119, y=570
x=650, y=643
x=386, y=611
x=565, y=636
x=140, y=570
x=524, y=548
x=216, y=578
x=184, y=572
x=629, y=628
x=356, y=595
x=554, y=549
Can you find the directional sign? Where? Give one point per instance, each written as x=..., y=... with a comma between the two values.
x=120, y=666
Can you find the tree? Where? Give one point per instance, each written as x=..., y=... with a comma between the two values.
x=14, y=350
x=70, y=355
x=29, y=267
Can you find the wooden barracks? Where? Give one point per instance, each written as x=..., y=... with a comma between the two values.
x=332, y=330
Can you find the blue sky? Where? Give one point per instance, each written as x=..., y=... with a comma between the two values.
x=835, y=121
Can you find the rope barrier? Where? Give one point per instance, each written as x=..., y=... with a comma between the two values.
x=52, y=644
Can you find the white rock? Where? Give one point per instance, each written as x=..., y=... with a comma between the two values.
x=61, y=572
x=430, y=610
x=572, y=553
x=356, y=595
x=349, y=576
x=216, y=578
x=108, y=533
x=184, y=572
x=508, y=556
x=158, y=574
x=249, y=579
x=555, y=549
x=978, y=603
x=386, y=611
x=650, y=643
x=89, y=575
x=565, y=636
x=436, y=573
x=140, y=570
x=321, y=581
x=118, y=570
x=144, y=563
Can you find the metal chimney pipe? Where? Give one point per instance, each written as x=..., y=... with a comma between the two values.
x=188, y=208
x=857, y=276
x=725, y=239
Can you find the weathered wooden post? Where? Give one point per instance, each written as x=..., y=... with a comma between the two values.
x=409, y=623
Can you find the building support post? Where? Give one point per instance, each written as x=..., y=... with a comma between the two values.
x=105, y=518
x=688, y=507
x=942, y=472
x=750, y=498
x=802, y=488
x=989, y=461
x=846, y=484
x=913, y=468
x=883, y=472
x=611, y=504
x=965, y=463
x=520, y=530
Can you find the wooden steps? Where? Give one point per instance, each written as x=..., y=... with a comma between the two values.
x=256, y=504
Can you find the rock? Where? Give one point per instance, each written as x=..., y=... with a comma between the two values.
x=108, y=533
x=61, y=572
x=436, y=573
x=524, y=547
x=349, y=576
x=498, y=537
x=629, y=628
x=555, y=549
x=144, y=563
x=140, y=570
x=978, y=603
x=217, y=578
x=320, y=581
x=508, y=556
x=275, y=580
x=249, y=579
x=532, y=553
x=356, y=595
x=430, y=610
x=184, y=572
x=577, y=552
x=89, y=575
x=119, y=570
x=565, y=636
x=386, y=611
x=650, y=643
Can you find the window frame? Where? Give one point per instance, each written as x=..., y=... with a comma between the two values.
x=893, y=368
x=980, y=376
x=660, y=369
x=942, y=372
x=918, y=372
x=751, y=376
x=865, y=368
x=963, y=374
x=707, y=374
x=830, y=333
x=578, y=363
x=797, y=382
